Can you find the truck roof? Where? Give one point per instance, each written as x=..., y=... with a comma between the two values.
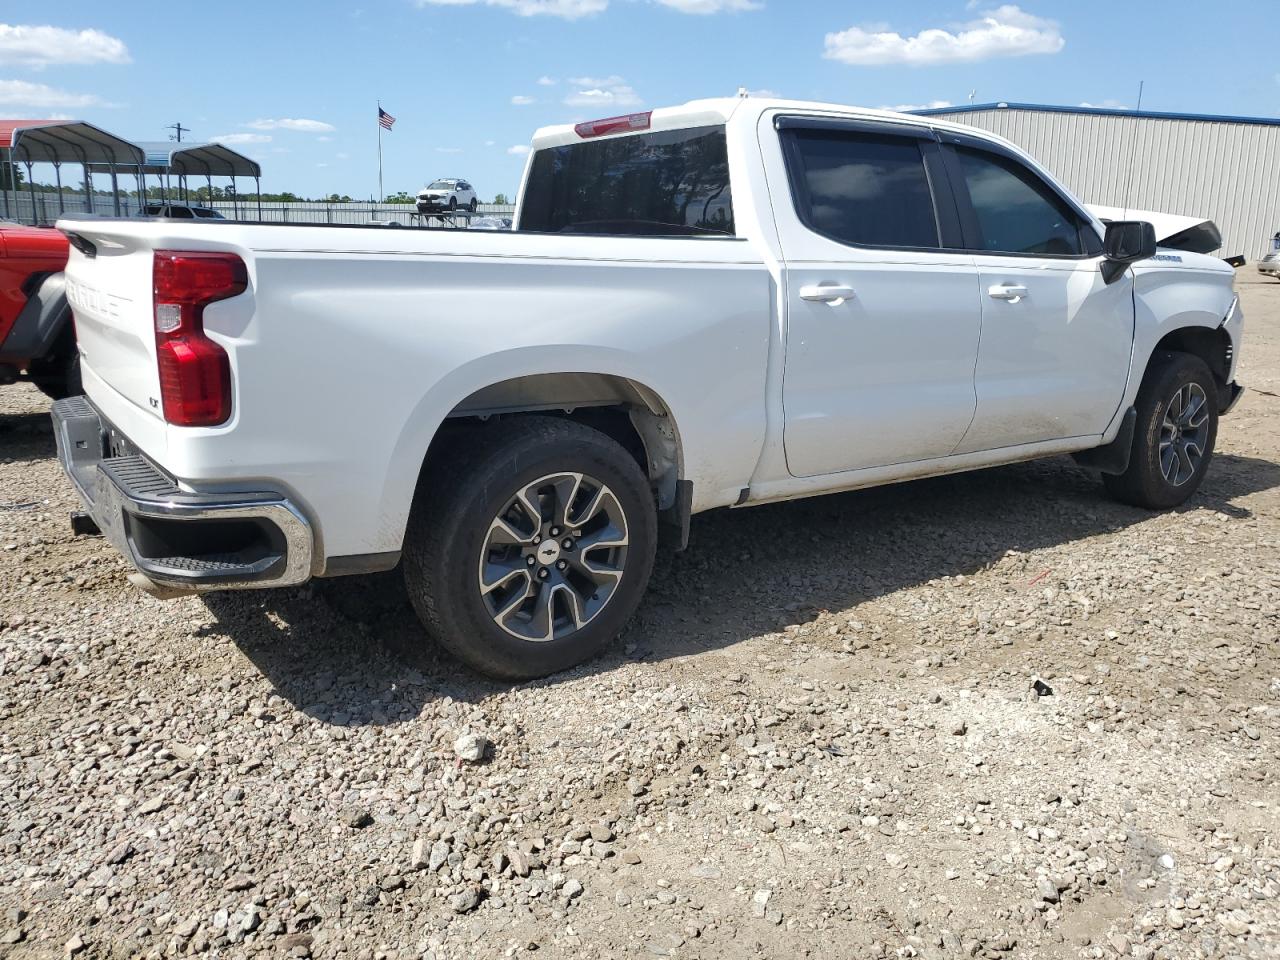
x=721, y=110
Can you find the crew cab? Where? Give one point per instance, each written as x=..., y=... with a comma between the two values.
x=37, y=342
x=727, y=303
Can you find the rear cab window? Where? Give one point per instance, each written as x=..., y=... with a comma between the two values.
x=665, y=183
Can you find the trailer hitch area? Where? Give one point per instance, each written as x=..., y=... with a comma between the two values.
x=83, y=525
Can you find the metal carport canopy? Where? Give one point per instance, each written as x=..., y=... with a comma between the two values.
x=203, y=159
x=66, y=141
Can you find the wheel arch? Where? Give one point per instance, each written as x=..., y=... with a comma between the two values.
x=616, y=402
x=1211, y=344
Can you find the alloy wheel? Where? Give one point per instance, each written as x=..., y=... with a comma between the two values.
x=1184, y=433
x=553, y=557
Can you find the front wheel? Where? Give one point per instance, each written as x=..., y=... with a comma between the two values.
x=1175, y=433
x=453, y=204
x=529, y=554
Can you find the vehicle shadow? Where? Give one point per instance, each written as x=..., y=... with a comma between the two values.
x=26, y=437
x=350, y=650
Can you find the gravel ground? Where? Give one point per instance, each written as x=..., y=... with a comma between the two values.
x=992, y=715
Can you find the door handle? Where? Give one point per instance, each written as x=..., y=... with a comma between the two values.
x=1007, y=291
x=833, y=293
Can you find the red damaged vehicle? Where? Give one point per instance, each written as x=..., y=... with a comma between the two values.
x=37, y=337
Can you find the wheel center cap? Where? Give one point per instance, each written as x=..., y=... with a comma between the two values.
x=548, y=552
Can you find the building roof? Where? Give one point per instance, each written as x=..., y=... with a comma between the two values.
x=202, y=159
x=1095, y=111
x=65, y=141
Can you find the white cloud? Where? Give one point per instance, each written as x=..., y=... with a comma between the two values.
x=24, y=93
x=568, y=9
x=448, y=149
x=323, y=139
x=286, y=123
x=1003, y=32
x=602, y=92
x=711, y=6
x=234, y=138
x=550, y=82
x=342, y=156
x=490, y=143
x=522, y=101
x=931, y=105
x=1106, y=105
x=519, y=150
x=764, y=94
x=39, y=47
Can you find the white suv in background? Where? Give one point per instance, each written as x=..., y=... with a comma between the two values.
x=447, y=196
x=1270, y=264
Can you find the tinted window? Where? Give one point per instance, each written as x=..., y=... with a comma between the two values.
x=864, y=189
x=671, y=183
x=181, y=213
x=1015, y=210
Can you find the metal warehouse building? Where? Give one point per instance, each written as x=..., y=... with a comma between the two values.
x=1223, y=168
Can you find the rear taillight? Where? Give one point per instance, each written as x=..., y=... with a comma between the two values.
x=195, y=374
x=628, y=124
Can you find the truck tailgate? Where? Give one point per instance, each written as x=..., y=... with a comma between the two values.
x=110, y=296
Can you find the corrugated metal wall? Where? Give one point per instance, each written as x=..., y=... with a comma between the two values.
x=1226, y=171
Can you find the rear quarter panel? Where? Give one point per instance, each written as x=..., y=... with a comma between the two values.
x=346, y=361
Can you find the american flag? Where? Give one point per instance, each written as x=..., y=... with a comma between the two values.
x=385, y=119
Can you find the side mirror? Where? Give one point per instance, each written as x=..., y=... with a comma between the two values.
x=1126, y=242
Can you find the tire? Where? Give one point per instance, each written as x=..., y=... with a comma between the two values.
x=475, y=204
x=58, y=377
x=468, y=525
x=1157, y=477
x=453, y=204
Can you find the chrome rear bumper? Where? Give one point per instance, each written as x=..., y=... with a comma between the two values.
x=187, y=541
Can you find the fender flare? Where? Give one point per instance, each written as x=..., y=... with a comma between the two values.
x=41, y=322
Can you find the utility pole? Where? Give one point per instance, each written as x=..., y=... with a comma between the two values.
x=178, y=130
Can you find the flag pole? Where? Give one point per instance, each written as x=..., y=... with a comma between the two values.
x=381, y=195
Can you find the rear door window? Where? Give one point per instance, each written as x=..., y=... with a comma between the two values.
x=863, y=188
x=670, y=183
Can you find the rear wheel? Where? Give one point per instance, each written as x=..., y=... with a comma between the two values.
x=1175, y=433
x=475, y=204
x=59, y=376
x=453, y=204
x=533, y=550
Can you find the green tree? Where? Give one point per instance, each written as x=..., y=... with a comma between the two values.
x=10, y=176
x=501, y=200
x=400, y=197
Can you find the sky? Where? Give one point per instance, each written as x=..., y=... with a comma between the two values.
x=296, y=84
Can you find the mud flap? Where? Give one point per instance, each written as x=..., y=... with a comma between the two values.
x=1114, y=456
x=673, y=523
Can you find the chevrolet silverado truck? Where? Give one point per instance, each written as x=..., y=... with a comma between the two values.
x=723, y=304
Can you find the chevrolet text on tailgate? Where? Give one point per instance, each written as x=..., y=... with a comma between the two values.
x=728, y=303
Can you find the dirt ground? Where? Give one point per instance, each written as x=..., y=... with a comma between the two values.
x=989, y=715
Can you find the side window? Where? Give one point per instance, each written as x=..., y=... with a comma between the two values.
x=1014, y=209
x=863, y=188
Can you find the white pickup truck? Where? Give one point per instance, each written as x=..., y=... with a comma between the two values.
x=723, y=304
